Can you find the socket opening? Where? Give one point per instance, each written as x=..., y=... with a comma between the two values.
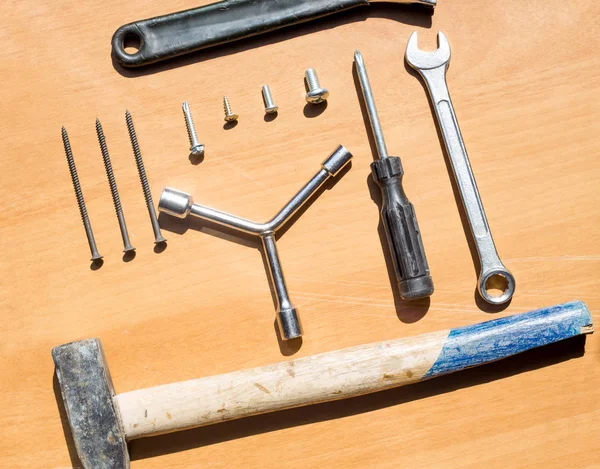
x=132, y=43
x=496, y=285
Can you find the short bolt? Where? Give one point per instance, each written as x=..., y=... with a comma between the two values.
x=229, y=115
x=270, y=107
x=196, y=148
x=315, y=94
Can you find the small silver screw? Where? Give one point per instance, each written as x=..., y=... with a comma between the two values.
x=80, y=201
x=229, y=115
x=127, y=247
x=196, y=148
x=270, y=107
x=158, y=237
x=315, y=94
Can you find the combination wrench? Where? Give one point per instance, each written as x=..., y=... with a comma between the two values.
x=432, y=67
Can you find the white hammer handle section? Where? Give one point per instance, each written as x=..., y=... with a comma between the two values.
x=343, y=373
x=319, y=378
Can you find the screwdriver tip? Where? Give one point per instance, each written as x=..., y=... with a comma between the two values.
x=358, y=58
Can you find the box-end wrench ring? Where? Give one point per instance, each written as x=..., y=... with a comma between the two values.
x=432, y=67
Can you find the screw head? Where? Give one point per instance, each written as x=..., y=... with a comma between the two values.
x=197, y=150
x=160, y=239
x=231, y=117
x=317, y=96
x=272, y=109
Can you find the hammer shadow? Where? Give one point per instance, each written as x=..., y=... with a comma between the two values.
x=407, y=311
x=75, y=461
x=416, y=15
x=226, y=431
x=479, y=301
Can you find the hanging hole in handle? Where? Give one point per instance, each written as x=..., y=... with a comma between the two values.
x=497, y=287
x=132, y=43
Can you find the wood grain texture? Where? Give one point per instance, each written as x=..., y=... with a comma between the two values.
x=525, y=82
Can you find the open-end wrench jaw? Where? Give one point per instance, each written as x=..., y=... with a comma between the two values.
x=423, y=60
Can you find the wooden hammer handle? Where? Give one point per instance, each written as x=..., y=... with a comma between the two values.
x=343, y=373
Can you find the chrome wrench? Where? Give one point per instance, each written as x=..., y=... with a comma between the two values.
x=432, y=67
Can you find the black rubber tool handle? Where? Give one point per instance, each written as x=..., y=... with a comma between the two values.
x=402, y=231
x=171, y=35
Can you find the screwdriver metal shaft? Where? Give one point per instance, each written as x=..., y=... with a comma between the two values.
x=397, y=213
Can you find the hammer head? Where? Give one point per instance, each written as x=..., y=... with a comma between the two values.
x=88, y=392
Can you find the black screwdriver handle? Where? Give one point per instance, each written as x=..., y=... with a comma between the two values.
x=186, y=31
x=402, y=231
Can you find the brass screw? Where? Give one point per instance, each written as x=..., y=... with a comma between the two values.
x=229, y=115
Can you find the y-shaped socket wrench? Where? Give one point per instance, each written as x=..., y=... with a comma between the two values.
x=180, y=204
x=432, y=67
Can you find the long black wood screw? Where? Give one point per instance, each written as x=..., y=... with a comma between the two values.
x=158, y=237
x=127, y=247
x=80, y=201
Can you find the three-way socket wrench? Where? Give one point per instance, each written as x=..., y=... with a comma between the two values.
x=180, y=204
x=432, y=67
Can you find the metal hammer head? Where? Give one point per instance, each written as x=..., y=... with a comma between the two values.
x=175, y=203
x=88, y=392
x=422, y=60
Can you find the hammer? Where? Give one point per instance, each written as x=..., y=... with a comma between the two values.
x=102, y=422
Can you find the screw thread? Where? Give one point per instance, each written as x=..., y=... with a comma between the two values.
x=312, y=80
x=74, y=177
x=189, y=123
x=138, y=159
x=109, y=170
x=227, y=106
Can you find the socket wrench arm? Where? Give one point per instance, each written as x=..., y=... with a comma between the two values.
x=180, y=204
x=288, y=320
x=329, y=168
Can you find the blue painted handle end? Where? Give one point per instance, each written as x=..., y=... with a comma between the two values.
x=493, y=340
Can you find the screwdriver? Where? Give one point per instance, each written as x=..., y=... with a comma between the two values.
x=397, y=213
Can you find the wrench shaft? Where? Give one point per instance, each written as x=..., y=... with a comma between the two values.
x=461, y=167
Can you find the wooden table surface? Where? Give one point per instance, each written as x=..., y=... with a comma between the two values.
x=525, y=79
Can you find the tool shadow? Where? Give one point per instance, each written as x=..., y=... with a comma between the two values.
x=479, y=301
x=226, y=431
x=180, y=226
x=415, y=15
x=407, y=311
